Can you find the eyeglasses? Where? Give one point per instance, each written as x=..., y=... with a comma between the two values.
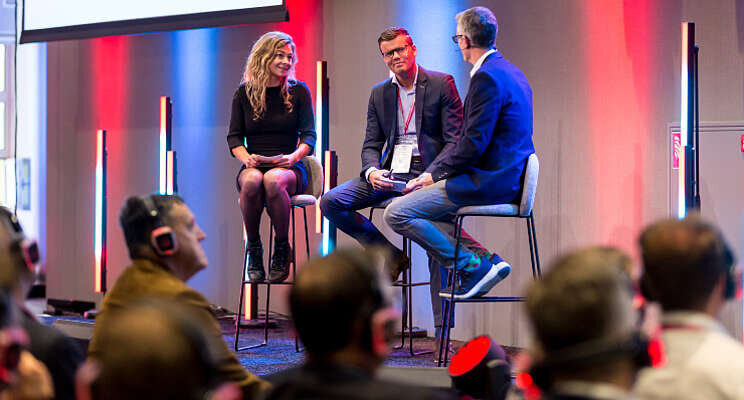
x=456, y=38
x=391, y=53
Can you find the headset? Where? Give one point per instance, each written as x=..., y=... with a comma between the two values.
x=25, y=250
x=730, y=262
x=162, y=238
x=644, y=352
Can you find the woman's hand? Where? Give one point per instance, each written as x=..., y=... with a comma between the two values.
x=286, y=161
x=250, y=161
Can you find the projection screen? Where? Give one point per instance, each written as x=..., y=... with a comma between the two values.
x=48, y=20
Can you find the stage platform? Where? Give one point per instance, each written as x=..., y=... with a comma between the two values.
x=278, y=355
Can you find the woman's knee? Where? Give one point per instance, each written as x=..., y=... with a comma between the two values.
x=251, y=181
x=274, y=184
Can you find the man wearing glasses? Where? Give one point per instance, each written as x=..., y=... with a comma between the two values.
x=415, y=116
x=484, y=166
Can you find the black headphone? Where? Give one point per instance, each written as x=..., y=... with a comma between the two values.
x=637, y=345
x=729, y=260
x=162, y=238
x=25, y=250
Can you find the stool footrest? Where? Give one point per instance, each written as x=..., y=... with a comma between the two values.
x=403, y=284
x=269, y=283
x=488, y=299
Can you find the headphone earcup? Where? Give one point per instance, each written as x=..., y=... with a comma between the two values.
x=646, y=288
x=642, y=353
x=164, y=241
x=540, y=374
x=730, y=290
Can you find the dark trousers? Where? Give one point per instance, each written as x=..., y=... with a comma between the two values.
x=341, y=205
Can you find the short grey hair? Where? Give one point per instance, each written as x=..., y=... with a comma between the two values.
x=479, y=25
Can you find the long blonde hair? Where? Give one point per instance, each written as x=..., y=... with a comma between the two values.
x=256, y=74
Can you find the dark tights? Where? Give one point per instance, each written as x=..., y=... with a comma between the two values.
x=273, y=189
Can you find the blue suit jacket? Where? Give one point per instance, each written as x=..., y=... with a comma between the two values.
x=487, y=163
x=438, y=119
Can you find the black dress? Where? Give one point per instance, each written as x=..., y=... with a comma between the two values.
x=278, y=131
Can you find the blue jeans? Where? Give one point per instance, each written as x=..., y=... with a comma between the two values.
x=427, y=217
x=341, y=205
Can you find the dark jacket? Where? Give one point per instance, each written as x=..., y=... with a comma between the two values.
x=145, y=279
x=486, y=164
x=438, y=119
x=336, y=382
x=60, y=354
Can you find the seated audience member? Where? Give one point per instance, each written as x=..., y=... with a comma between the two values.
x=164, y=243
x=689, y=270
x=587, y=346
x=341, y=308
x=22, y=377
x=155, y=350
x=60, y=354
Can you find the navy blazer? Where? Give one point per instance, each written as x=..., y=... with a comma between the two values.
x=487, y=163
x=438, y=119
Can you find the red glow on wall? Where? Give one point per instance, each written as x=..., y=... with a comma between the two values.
x=109, y=96
x=620, y=63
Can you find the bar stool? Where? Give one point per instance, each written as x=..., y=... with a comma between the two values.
x=406, y=288
x=522, y=210
x=302, y=201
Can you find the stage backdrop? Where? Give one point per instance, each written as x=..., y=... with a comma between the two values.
x=115, y=83
x=605, y=77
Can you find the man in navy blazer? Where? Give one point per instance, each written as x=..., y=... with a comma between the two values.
x=416, y=113
x=484, y=166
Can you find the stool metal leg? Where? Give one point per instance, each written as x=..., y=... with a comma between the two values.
x=534, y=239
x=445, y=315
x=445, y=341
x=307, y=237
x=240, y=302
x=294, y=270
x=409, y=287
x=404, y=303
x=532, y=248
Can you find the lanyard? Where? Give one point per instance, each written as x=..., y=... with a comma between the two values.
x=681, y=327
x=410, y=112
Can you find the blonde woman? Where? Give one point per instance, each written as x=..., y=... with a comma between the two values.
x=272, y=117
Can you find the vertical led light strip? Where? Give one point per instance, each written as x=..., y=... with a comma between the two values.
x=318, y=132
x=684, y=98
x=99, y=240
x=163, y=145
x=165, y=176
x=326, y=187
x=169, y=171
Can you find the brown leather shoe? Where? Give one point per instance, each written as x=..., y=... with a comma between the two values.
x=396, y=265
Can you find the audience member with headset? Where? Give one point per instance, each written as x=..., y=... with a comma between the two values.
x=341, y=307
x=163, y=338
x=587, y=342
x=164, y=243
x=690, y=270
x=22, y=376
x=60, y=354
